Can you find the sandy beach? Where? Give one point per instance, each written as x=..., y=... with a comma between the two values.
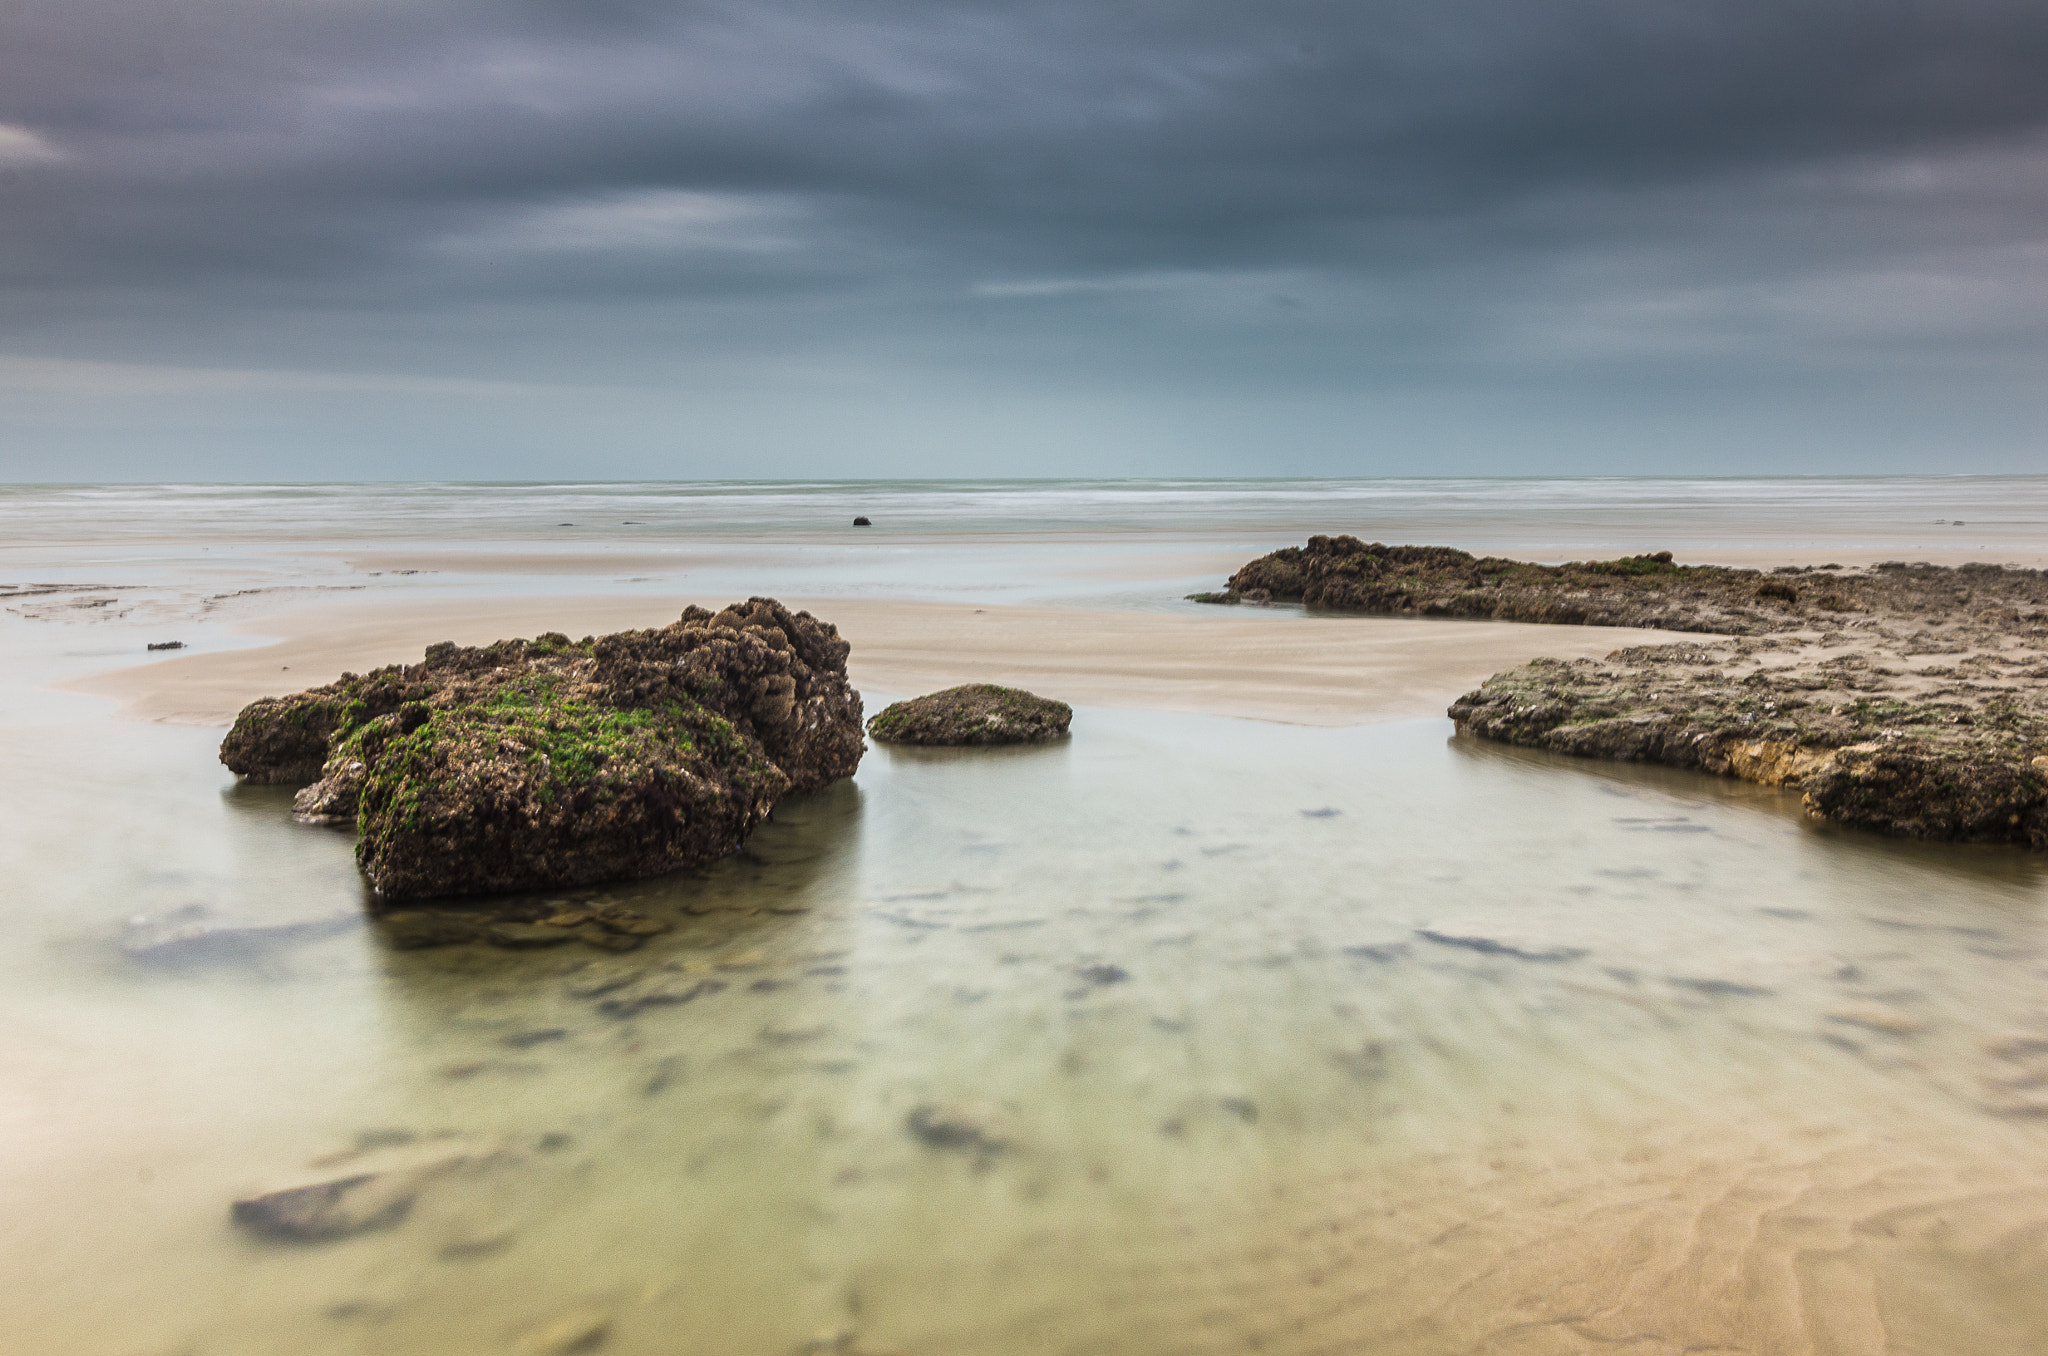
x=1333, y=671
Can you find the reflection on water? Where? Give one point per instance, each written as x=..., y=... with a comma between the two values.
x=1186, y=1035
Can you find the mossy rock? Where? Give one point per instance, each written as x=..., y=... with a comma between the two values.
x=972, y=715
x=530, y=764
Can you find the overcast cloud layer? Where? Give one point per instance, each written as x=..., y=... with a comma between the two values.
x=612, y=238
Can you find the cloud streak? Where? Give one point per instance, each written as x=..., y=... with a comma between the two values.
x=20, y=146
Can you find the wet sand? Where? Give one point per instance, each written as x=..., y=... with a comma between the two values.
x=1216, y=564
x=1266, y=666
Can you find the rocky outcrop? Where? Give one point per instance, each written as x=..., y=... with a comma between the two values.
x=282, y=741
x=1909, y=700
x=973, y=714
x=1348, y=575
x=1889, y=739
x=528, y=764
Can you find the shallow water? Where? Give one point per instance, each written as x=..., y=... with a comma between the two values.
x=1227, y=1035
x=1504, y=513
x=164, y=550
x=1676, y=1064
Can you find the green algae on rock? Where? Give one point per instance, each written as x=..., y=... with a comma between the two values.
x=527, y=764
x=971, y=715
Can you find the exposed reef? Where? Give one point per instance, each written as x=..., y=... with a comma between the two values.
x=1894, y=736
x=1344, y=574
x=528, y=764
x=1909, y=700
x=973, y=714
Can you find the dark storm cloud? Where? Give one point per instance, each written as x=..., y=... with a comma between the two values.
x=1253, y=188
x=1151, y=135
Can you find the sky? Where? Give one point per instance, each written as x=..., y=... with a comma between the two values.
x=617, y=239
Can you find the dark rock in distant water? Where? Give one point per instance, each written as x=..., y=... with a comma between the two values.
x=973, y=714
x=548, y=762
x=167, y=645
x=862, y=522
